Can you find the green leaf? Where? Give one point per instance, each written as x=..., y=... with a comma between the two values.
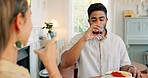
x=43, y=27
x=48, y=26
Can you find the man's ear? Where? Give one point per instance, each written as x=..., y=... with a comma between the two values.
x=19, y=21
x=106, y=19
x=89, y=21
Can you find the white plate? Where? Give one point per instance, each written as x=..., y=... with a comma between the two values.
x=127, y=74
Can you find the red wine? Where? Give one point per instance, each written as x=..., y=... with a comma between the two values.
x=96, y=32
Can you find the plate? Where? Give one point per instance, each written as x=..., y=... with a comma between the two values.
x=117, y=74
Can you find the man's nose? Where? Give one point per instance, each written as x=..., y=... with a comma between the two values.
x=99, y=22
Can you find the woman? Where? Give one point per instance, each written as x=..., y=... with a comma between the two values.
x=15, y=28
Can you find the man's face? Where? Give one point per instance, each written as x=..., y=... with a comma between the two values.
x=99, y=18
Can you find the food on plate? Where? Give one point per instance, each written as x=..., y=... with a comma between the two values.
x=117, y=74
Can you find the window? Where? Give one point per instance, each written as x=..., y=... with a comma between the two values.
x=80, y=16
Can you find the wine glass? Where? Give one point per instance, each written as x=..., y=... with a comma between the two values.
x=99, y=32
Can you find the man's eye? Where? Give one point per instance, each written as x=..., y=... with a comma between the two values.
x=102, y=19
x=93, y=20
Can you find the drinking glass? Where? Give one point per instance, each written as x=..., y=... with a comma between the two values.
x=99, y=32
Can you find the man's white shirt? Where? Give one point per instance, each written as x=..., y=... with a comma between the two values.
x=97, y=58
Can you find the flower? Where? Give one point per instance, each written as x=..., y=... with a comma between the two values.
x=48, y=26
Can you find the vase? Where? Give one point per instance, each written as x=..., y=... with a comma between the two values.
x=52, y=34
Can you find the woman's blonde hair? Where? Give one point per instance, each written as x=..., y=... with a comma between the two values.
x=9, y=10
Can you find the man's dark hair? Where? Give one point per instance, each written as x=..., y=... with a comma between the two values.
x=96, y=7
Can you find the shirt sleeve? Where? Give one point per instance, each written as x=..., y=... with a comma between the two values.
x=125, y=60
x=72, y=42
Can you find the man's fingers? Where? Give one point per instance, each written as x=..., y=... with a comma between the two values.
x=141, y=75
x=134, y=73
x=138, y=74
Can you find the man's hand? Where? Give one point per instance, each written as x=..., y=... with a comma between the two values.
x=135, y=73
x=89, y=33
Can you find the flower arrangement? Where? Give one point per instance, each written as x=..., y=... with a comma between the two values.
x=49, y=26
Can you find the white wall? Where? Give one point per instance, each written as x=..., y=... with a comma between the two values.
x=118, y=16
x=37, y=8
x=58, y=9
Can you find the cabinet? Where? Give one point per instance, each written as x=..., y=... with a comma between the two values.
x=136, y=37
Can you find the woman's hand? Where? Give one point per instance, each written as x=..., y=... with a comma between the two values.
x=48, y=54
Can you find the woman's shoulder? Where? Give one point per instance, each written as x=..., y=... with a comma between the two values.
x=10, y=70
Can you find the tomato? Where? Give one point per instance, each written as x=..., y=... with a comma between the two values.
x=117, y=74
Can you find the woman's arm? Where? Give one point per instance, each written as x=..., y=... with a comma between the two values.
x=48, y=56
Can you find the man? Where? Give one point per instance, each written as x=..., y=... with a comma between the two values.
x=97, y=55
